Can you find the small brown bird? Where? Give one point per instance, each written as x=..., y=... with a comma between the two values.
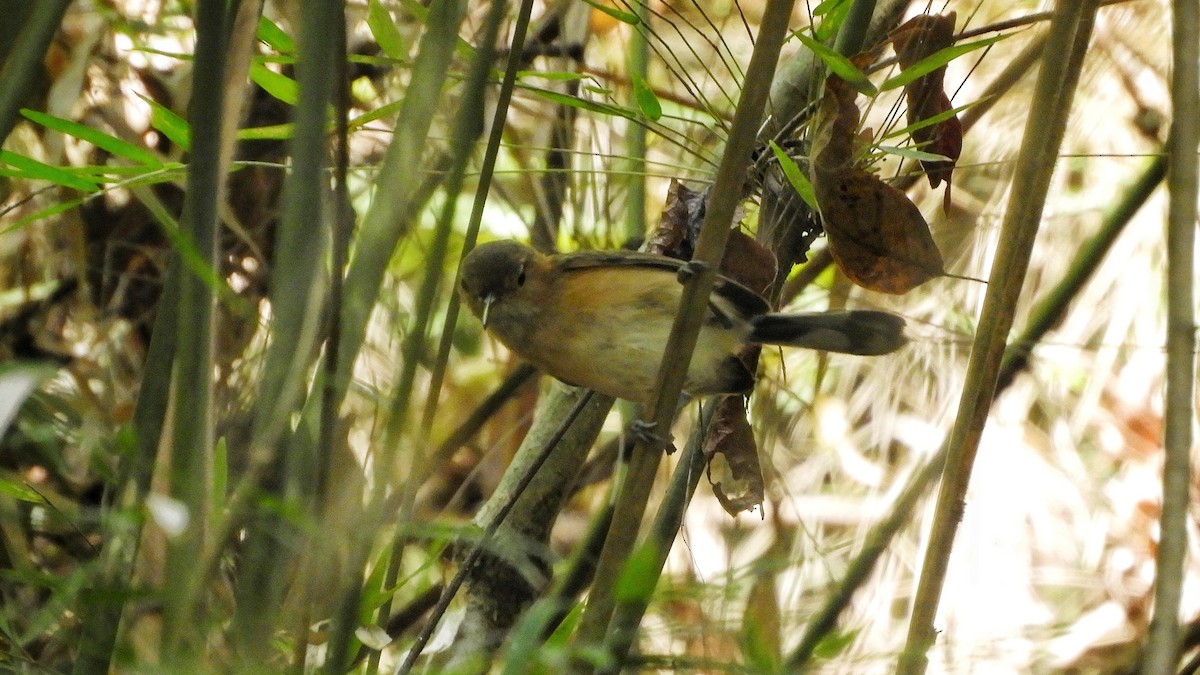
x=600, y=319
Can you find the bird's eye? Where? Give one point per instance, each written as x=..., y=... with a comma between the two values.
x=521, y=278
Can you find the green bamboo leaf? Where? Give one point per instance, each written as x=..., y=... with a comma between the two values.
x=833, y=15
x=913, y=153
x=19, y=491
x=583, y=104
x=138, y=177
x=96, y=137
x=828, y=6
x=795, y=176
x=271, y=132
x=834, y=644
x=275, y=37
x=624, y=17
x=930, y=121
x=937, y=60
x=52, y=210
x=166, y=122
x=280, y=86
x=646, y=100
x=384, y=29
x=31, y=169
x=381, y=112
x=639, y=575
x=839, y=65
x=418, y=11
x=555, y=76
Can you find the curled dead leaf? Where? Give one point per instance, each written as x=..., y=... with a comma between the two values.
x=913, y=41
x=733, y=468
x=876, y=235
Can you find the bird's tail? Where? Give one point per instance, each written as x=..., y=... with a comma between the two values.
x=863, y=332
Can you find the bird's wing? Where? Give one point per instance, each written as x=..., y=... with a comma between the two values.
x=728, y=295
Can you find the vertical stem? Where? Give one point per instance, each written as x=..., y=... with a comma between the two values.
x=635, y=493
x=483, y=184
x=192, y=384
x=853, y=32
x=1070, y=31
x=639, y=67
x=23, y=62
x=297, y=286
x=399, y=194
x=628, y=615
x=1162, y=652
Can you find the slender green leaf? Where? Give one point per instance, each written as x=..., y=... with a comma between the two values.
x=379, y=20
x=639, y=575
x=52, y=210
x=380, y=112
x=96, y=137
x=280, y=86
x=833, y=15
x=272, y=132
x=19, y=491
x=839, y=65
x=418, y=11
x=597, y=89
x=913, y=153
x=374, y=592
x=31, y=169
x=166, y=122
x=834, y=644
x=929, y=121
x=556, y=76
x=645, y=98
x=526, y=643
x=937, y=60
x=795, y=176
x=624, y=17
x=829, y=6
x=275, y=37
x=192, y=258
x=583, y=104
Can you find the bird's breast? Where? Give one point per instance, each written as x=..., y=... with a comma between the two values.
x=606, y=329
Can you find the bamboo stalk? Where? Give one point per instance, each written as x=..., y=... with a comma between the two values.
x=1162, y=649
x=634, y=493
x=1070, y=30
x=192, y=382
x=298, y=286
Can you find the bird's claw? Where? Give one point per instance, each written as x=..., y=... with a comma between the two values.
x=644, y=432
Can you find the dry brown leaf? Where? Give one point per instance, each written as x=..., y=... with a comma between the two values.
x=877, y=236
x=748, y=262
x=677, y=224
x=733, y=468
x=913, y=41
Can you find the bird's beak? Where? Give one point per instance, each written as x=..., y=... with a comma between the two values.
x=487, y=307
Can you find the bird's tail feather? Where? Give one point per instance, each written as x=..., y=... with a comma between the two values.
x=863, y=332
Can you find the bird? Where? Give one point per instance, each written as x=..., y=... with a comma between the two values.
x=600, y=319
